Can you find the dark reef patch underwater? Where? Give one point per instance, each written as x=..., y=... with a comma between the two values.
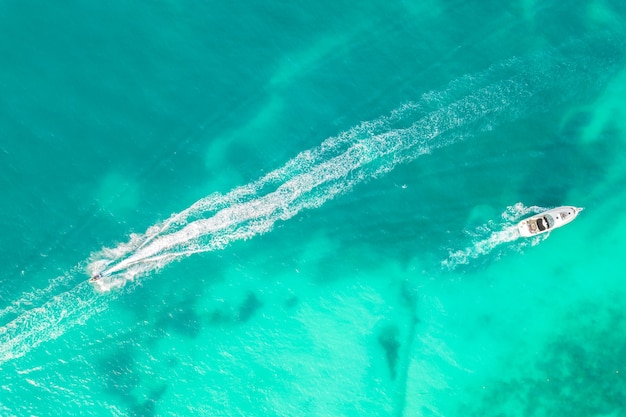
x=578, y=372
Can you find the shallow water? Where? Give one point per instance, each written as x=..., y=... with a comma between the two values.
x=307, y=209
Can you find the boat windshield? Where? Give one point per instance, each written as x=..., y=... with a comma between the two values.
x=545, y=222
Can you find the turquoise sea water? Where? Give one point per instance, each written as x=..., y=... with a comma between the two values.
x=305, y=209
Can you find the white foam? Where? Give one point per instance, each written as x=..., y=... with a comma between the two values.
x=468, y=106
x=32, y=299
x=491, y=235
x=50, y=320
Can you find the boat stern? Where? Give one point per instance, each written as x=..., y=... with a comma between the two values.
x=524, y=229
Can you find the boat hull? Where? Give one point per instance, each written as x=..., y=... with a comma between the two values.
x=547, y=221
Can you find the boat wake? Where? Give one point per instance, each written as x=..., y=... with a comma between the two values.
x=492, y=237
x=31, y=299
x=48, y=320
x=470, y=105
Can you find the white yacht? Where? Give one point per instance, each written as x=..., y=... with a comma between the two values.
x=548, y=220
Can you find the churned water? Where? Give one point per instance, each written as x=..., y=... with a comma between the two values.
x=309, y=209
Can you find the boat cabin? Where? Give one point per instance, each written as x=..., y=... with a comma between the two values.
x=540, y=224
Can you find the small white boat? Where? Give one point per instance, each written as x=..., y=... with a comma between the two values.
x=95, y=277
x=548, y=220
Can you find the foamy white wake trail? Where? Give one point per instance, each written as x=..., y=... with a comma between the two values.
x=492, y=235
x=34, y=298
x=309, y=180
x=50, y=320
x=481, y=247
x=468, y=106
